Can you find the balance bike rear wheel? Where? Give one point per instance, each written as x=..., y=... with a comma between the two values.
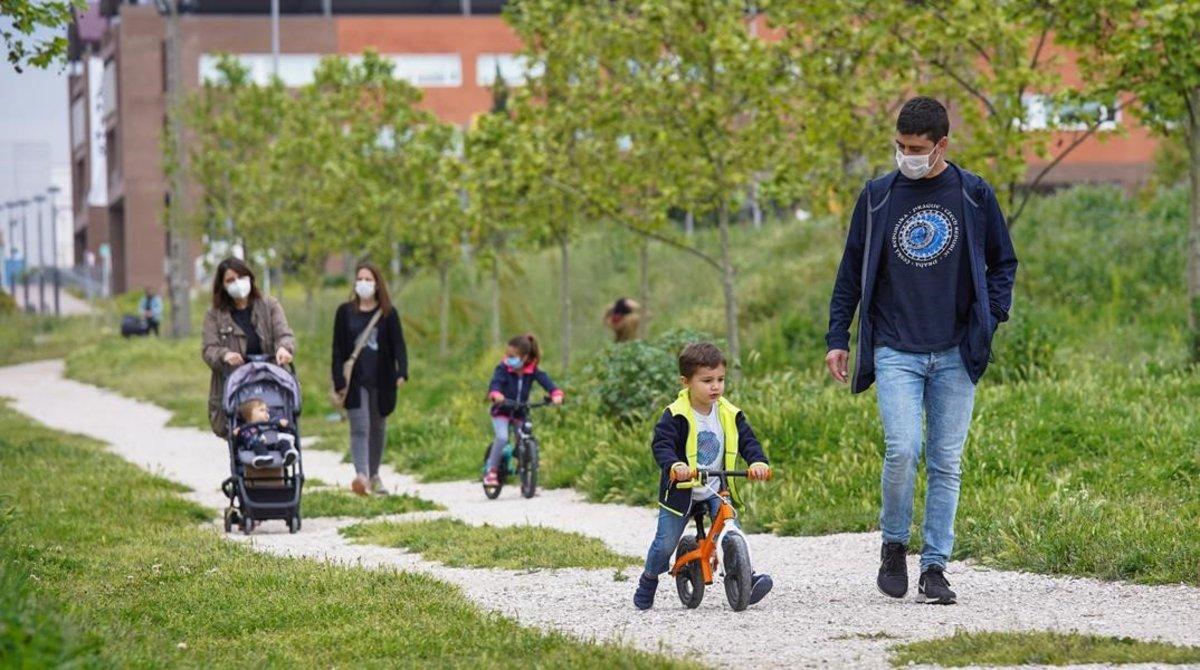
x=690, y=580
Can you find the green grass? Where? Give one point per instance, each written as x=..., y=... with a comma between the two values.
x=345, y=503
x=1081, y=458
x=117, y=553
x=1038, y=648
x=457, y=544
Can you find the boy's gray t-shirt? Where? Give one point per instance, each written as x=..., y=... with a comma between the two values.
x=710, y=450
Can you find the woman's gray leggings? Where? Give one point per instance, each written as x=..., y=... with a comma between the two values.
x=368, y=430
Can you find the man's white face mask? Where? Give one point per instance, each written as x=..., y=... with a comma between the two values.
x=918, y=165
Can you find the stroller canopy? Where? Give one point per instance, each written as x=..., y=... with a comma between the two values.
x=275, y=385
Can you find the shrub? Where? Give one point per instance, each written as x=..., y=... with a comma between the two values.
x=633, y=379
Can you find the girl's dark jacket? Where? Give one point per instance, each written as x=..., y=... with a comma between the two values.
x=393, y=358
x=509, y=383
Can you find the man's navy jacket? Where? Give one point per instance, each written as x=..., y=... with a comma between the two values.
x=993, y=270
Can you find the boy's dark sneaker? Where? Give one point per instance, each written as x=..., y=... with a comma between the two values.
x=893, y=570
x=643, y=597
x=760, y=586
x=290, y=456
x=933, y=589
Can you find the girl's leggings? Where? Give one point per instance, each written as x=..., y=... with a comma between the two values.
x=500, y=428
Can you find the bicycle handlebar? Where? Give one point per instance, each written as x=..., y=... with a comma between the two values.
x=514, y=404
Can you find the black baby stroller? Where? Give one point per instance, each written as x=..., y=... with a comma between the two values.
x=275, y=495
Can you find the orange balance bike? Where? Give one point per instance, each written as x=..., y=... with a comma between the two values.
x=697, y=558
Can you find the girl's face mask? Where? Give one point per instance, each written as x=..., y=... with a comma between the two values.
x=512, y=362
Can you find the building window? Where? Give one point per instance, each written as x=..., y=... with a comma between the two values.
x=514, y=69
x=113, y=157
x=79, y=182
x=1044, y=114
x=108, y=89
x=421, y=70
x=78, y=122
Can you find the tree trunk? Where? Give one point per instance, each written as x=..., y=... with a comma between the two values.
x=395, y=265
x=644, y=287
x=727, y=287
x=1193, y=140
x=564, y=292
x=689, y=223
x=497, y=336
x=178, y=257
x=444, y=309
x=756, y=214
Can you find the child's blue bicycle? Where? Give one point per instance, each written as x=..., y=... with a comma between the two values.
x=523, y=449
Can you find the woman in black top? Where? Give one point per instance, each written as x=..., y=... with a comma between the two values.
x=380, y=369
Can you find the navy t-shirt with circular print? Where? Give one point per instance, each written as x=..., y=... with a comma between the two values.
x=923, y=295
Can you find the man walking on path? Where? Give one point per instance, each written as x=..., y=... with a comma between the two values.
x=930, y=266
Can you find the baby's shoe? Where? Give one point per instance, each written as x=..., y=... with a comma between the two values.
x=290, y=456
x=262, y=460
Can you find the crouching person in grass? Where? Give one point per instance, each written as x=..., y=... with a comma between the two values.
x=701, y=429
x=929, y=266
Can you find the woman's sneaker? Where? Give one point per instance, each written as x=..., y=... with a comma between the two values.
x=893, y=570
x=359, y=485
x=377, y=486
x=643, y=597
x=933, y=589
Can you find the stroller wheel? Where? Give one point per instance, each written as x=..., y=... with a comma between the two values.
x=247, y=525
x=230, y=513
x=294, y=524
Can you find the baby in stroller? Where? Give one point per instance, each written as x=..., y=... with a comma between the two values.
x=264, y=442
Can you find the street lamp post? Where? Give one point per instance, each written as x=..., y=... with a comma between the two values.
x=53, y=191
x=11, y=247
x=37, y=202
x=25, y=250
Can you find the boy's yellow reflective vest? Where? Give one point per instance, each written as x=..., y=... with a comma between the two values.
x=674, y=442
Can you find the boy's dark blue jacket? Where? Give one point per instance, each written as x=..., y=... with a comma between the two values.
x=675, y=442
x=516, y=383
x=993, y=270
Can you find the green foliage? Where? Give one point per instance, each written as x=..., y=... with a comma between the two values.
x=630, y=380
x=460, y=545
x=343, y=503
x=24, y=18
x=153, y=589
x=966, y=648
x=7, y=304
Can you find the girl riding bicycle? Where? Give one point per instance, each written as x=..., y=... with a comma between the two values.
x=512, y=380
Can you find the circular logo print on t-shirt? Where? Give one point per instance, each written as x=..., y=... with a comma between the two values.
x=925, y=235
x=708, y=448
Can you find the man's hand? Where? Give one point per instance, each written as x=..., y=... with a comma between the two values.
x=283, y=356
x=759, y=472
x=233, y=358
x=838, y=362
x=681, y=473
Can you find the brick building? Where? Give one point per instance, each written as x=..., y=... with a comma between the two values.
x=450, y=49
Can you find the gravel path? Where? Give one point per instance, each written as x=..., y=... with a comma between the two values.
x=822, y=609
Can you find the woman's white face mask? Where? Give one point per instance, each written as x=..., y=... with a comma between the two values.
x=239, y=288
x=364, y=288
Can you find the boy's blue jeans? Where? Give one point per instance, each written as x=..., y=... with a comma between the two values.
x=670, y=529
x=923, y=398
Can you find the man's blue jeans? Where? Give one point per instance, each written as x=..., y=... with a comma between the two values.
x=923, y=399
x=670, y=529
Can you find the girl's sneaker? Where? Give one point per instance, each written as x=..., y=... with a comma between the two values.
x=492, y=478
x=377, y=487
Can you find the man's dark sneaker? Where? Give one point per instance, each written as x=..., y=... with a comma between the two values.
x=933, y=589
x=893, y=570
x=643, y=597
x=760, y=586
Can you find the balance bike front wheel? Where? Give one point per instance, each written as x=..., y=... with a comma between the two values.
x=737, y=571
x=529, y=469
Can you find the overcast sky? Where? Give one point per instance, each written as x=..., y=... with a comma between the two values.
x=33, y=108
